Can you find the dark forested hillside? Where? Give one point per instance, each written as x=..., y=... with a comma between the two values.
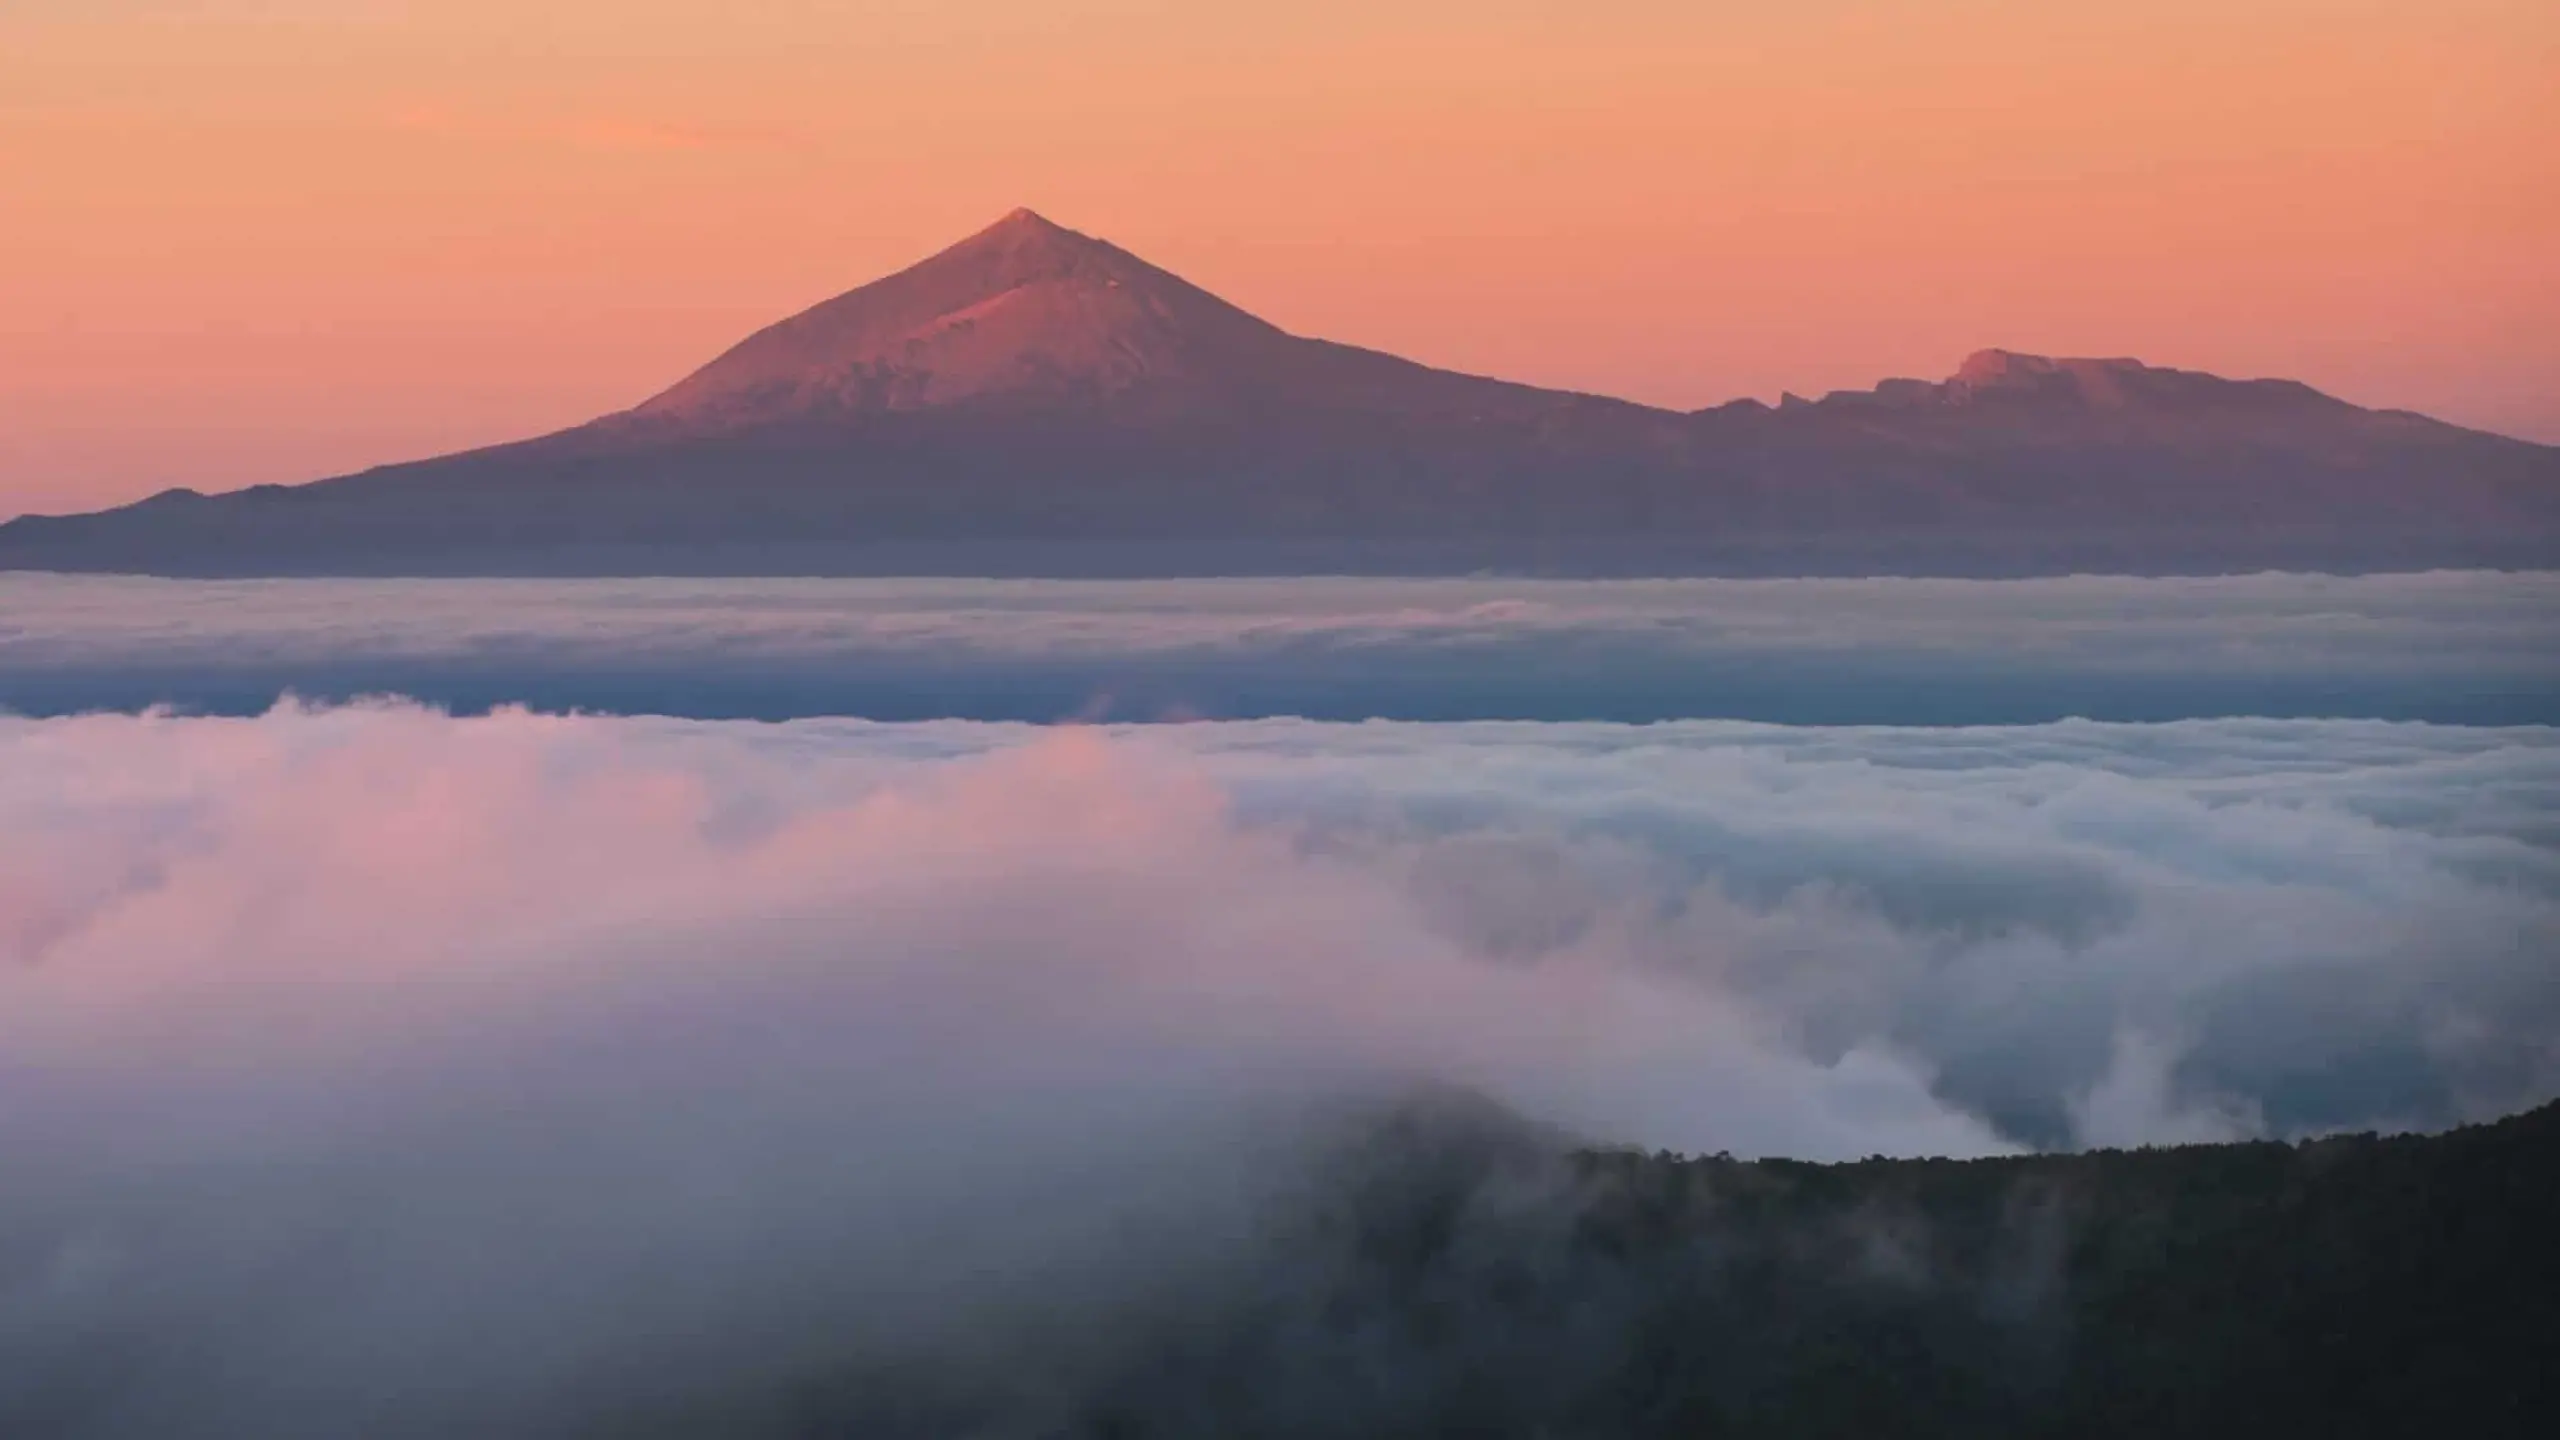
x=1457, y=1276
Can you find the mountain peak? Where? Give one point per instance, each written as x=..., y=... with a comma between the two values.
x=1025, y=228
x=2131, y=392
x=1033, y=400
x=1994, y=369
x=1024, y=311
x=2085, y=382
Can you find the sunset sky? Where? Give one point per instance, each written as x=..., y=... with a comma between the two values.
x=255, y=240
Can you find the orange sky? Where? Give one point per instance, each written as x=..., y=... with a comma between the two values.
x=249, y=240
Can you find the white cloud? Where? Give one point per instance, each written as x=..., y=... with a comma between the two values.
x=533, y=1049
x=2269, y=619
x=2464, y=647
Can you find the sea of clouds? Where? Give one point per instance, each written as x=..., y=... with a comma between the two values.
x=374, y=1070
x=2457, y=647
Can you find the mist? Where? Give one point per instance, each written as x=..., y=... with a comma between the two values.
x=374, y=1070
x=2455, y=647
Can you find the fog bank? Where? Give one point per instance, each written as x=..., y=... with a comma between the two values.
x=2468, y=648
x=369, y=1068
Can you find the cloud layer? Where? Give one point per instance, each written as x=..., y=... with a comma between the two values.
x=2458, y=648
x=370, y=1068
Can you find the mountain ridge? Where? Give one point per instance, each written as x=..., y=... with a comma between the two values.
x=1033, y=400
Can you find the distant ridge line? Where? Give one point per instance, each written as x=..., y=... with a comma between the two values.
x=1035, y=401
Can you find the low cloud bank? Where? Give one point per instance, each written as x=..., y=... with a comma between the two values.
x=2471, y=648
x=374, y=1071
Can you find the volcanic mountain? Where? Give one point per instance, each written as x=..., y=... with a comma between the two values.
x=1033, y=401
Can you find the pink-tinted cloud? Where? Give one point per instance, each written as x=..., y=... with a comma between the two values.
x=568, y=1059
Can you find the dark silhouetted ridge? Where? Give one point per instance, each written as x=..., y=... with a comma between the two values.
x=1036, y=401
x=1453, y=1274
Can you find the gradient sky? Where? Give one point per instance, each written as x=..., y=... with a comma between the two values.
x=252, y=240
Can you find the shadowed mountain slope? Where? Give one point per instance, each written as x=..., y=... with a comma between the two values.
x=1451, y=1274
x=1035, y=401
